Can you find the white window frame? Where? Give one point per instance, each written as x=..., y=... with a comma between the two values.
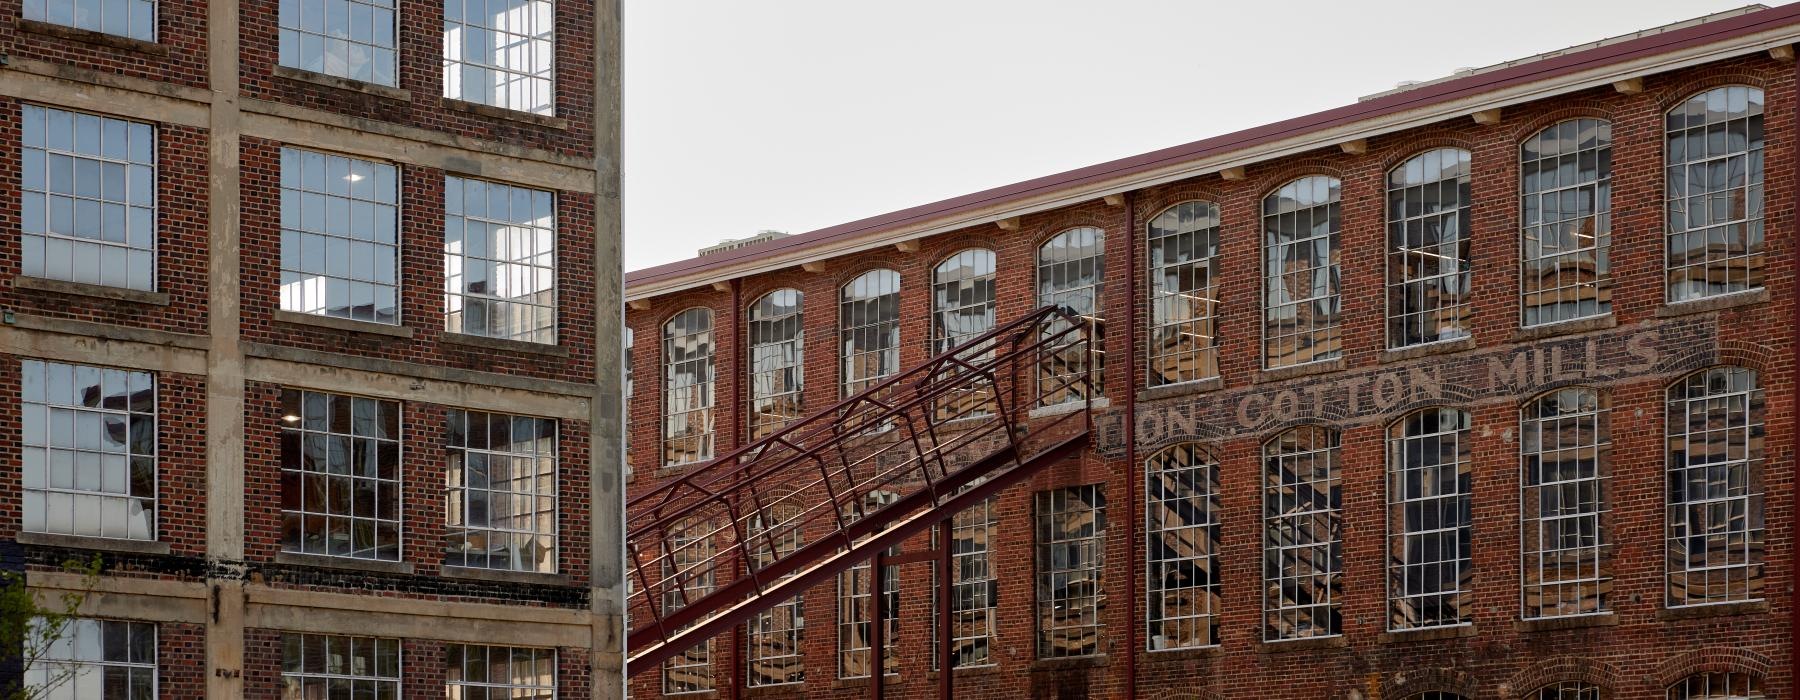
x=458, y=488
x=1535, y=428
x=1405, y=182
x=45, y=11
x=705, y=388
x=297, y=641
x=538, y=691
x=1548, y=167
x=354, y=245
x=1273, y=458
x=39, y=411
x=1330, y=334
x=771, y=359
x=683, y=553
x=293, y=33
x=454, y=58
x=41, y=243
x=1754, y=463
x=1677, y=204
x=1398, y=438
x=766, y=625
x=514, y=268
x=1053, y=388
x=1203, y=595
x=1046, y=510
x=868, y=289
x=1196, y=224
x=296, y=423
x=57, y=668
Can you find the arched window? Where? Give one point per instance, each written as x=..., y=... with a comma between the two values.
x=625, y=412
x=1565, y=445
x=1181, y=502
x=1071, y=560
x=774, y=636
x=1568, y=690
x=1715, y=193
x=687, y=576
x=1070, y=273
x=1303, y=548
x=869, y=329
x=1428, y=520
x=1183, y=246
x=1715, y=438
x=1428, y=248
x=1565, y=208
x=777, y=361
x=962, y=308
x=1717, y=685
x=1300, y=273
x=688, y=387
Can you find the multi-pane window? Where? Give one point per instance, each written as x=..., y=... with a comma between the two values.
x=1715, y=517
x=1565, y=444
x=1429, y=501
x=134, y=19
x=330, y=666
x=1071, y=544
x=962, y=308
x=777, y=359
x=1303, y=545
x=87, y=198
x=856, y=603
x=352, y=39
x=1568, y=690
x=1301, y=285
x=95, y=659
x=1717, y=685
x=1565, y=183
x=688, y=575
x=502, y=492
x=974, y=588
x=340, y=475
x=688, y=387
x=485, y=672
x=499, y=260
x=1428, y=270
x=1181, y=501
x=625, y=405
x=88, y=450
x=1715, y=193
x=1070, y=272
x=501, y=53
x=1184, y=295
x=774, y=635
x=339, y=237
x=869, y=329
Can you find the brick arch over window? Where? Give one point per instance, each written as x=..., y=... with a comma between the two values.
x=1571, y=111
x=1403, y=150
x=1712, y=659
x=1671, y=96
x=1412, y=684
x=1557, y=669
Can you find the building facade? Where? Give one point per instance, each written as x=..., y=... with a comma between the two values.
x=310, y=340
x=1481, y=388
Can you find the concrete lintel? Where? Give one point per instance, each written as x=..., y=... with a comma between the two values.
x=121, y=602
x=79, y=88
x=1355, y=147
x=1010, y=223
x=1232, y=174
x=341, y=613
x=463, y=392
x=136, y=353
x=1628, y=86
x=1487, y=116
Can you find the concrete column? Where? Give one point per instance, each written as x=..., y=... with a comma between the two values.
x=607, y=593
x=224, y=368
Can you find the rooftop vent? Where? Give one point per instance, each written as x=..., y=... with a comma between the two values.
x=736, y=243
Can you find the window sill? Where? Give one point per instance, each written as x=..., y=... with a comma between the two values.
x=888, y=680
x=1570, y=327
x=1198, y=386
x=328, y=562
x=1694, y=612
x=1074, y=662
x=103, y=544
x=1188, y=654
x=1427, y=635
x=343, y=324
x=501, y=576
x=513, y=115
x=986, y=669
x=1336, y=641
x=1570, y=622
x=95, y=291
x=480, y=341
x=1436, y=347
x=1718, y=303
x=331, y=81
x=89, y=36
x=1306, y=370
x=1068, y=407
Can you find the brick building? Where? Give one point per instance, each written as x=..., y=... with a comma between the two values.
x=1480, y=388
x=310, y=334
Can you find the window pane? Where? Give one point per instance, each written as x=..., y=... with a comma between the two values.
x=339, y=256
x=352, y=39
x=88, y=199
x=1429, y=502
x=1181, y=500
x=1565, y=446
x=1302, y=540
x=1428, y=271
x=688, y=387
x=1715, y=514
x=1300, y=273
x=1069, y=273
x=500, y=261
x=502, y=490
x=1714, y=148
x=89, y=450
x=1183, y=261
x=777, y=354
x=1565, y=271
x=1071, y=539
x=500, y=53
x=135, y=20
x=340, y=484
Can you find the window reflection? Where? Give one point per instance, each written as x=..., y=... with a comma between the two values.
x=1184, y=302
x=688, y=387
x=88, y=448
x=352, y=39
x=501, y=53
x=499, y=260
x=339, y=237
x=87, y=201
x=1301, y=278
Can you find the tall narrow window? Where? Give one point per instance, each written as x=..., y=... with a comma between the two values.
x=1428, y=520
x=1428, y=248
x=688, y=387
x=974, y=592
x=352, y=39
x=1071, y=548
x=688, y=574
x=869, y=329
x=502, y=492
x=88, y=450
x=1715, y=434
x=1717, y=685
x=501, y=53
x=1568, y=690
x=134, y=19
x=1070, y=274
x=90, y=658
x=855, y=605
x=1565, y=184
x=1303, y=545
x=340, y=475
x=777, y=361
x=1565, y=442
x=1181, y=503
x=339, y=237
x=320, y=665
x=87, y=198
x=775, y=655
x=625, y=406
x=1715, y=194
x=499, y=260
x=962, y=308
x=1184, y=295
x=1300, y=273
x=483, y=671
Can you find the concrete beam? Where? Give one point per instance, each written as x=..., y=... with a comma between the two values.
x=403, y=388
x=224, y=423
x=20, y=338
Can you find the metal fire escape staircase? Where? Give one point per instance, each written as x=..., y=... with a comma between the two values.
x=758, y=526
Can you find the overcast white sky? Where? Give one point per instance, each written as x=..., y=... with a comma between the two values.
x=795, y=115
